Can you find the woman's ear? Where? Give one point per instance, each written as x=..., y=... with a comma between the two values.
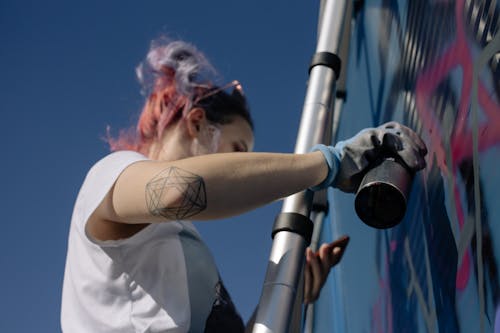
x=195, y=120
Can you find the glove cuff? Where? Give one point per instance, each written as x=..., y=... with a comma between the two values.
x=332, y=157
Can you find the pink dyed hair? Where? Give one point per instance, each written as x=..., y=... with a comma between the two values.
x=172, y=76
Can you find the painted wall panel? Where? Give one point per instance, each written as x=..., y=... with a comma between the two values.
x=434, y=66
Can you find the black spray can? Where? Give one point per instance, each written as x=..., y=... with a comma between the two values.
x=382, y=196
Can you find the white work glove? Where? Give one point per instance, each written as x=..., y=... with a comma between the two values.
x=349, y=160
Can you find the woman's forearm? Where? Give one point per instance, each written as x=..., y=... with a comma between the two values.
x=241, y=182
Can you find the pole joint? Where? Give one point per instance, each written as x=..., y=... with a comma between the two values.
x=327, y=59
x=296, y=223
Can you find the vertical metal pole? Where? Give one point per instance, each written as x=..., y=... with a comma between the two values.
x=320, y=207
x=293, y=229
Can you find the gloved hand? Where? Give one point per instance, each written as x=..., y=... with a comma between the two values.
x=349, y=160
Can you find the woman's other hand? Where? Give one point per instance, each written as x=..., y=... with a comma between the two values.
x=318, y=265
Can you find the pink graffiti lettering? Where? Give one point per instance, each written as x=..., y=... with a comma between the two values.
x=457, y=55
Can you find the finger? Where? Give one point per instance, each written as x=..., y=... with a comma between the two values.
x=337, y=254
x=412, y=158
x=392, y=141
x=416, y=139
x=326, y=256
x=307, y=277
x=411, y=134
x=318, y=277
x=331, y=254
x=341, y=241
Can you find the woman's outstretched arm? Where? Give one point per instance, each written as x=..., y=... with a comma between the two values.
x=208, y=187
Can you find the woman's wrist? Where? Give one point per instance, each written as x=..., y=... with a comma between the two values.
x=332, y=161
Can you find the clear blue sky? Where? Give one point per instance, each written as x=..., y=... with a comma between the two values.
x=67, y=71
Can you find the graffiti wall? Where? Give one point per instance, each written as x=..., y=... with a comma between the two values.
x=434, y=66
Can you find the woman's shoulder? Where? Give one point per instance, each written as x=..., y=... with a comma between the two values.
x=102, y=175
x=121, y=156
x=117, y=160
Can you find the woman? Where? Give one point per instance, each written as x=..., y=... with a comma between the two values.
x=135, y=263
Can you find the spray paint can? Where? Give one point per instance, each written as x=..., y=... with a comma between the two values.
x=382, y=196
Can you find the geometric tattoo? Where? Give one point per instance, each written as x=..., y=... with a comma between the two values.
x=176, y=183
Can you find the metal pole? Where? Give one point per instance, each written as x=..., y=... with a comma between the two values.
x=320, y=206
x=293, y=228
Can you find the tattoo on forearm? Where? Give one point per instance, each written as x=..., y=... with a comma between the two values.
x=178, y=183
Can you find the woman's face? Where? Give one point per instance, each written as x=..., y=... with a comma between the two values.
x=237, y=136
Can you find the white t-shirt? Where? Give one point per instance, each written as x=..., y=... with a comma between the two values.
x=162, y=279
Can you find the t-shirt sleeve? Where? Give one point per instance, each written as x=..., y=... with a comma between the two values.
x=99, y=181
